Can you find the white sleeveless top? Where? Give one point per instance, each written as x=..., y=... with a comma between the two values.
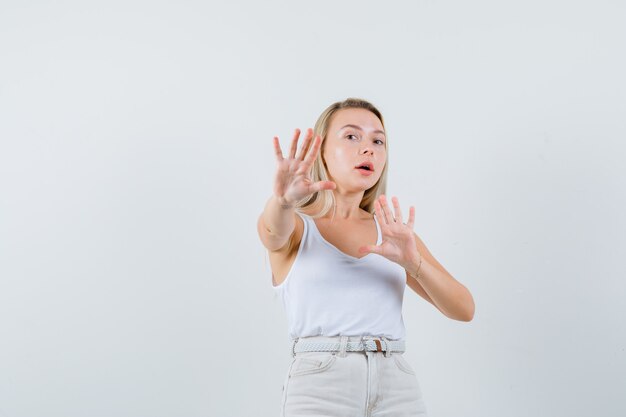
x=330, y=293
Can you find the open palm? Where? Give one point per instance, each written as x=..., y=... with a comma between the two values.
x=398, y=239
x=293, y=174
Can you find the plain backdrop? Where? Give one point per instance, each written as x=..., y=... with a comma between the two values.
x=136, y=156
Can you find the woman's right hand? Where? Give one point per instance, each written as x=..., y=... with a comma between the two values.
x=293, y=180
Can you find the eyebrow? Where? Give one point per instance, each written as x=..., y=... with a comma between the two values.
x=358, y=128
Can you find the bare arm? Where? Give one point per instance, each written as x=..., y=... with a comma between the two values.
x=292, y=182
x=439, y=287
x=276, y=223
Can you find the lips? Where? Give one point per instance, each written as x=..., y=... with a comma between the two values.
x=364, y=171
x=367, y=164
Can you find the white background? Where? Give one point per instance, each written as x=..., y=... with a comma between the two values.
x=136, y=156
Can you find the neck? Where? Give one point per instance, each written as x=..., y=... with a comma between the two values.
x=347, y=206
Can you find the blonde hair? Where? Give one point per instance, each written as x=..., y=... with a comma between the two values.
x=323, y=201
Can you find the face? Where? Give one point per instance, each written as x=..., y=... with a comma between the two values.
x=354, y=136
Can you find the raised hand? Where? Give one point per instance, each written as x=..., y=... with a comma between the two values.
x=398, y=241
x=293, y=180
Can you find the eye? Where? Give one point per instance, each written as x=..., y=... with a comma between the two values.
x=348, y=135
x=381, y=142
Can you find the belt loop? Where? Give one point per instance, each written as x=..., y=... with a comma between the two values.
x=362, y=343
x=343, y=346
x=386, y=348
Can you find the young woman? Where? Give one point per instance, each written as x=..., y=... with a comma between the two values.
x=340, y=260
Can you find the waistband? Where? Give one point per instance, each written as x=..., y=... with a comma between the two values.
x=352, y=344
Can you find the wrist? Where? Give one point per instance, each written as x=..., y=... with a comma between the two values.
x=414, y=269
x=283, y=204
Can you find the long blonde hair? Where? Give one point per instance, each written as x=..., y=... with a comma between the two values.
x=323, y=201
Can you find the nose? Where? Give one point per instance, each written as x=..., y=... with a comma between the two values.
x=367, y=150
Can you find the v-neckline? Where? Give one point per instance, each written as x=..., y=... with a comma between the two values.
x=362, y=258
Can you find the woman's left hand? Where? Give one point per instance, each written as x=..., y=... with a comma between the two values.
x=398, y=240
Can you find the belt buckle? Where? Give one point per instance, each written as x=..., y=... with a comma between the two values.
x=379, y=346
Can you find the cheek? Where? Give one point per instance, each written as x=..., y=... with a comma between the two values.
x=336, y=156
x=340, y=154
x=343, y=160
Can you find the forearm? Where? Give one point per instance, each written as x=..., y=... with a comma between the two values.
x=278, y=218
x=449, y=295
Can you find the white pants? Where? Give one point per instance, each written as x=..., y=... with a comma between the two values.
x=351, y=384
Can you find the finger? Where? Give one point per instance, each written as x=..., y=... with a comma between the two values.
x=312, y=154
x=385, y=209
x=294, y=144
x=381, y=214
x=411, y=217
x=396, y=207
x=370, y=249
x=323, y=185
x=305, y=144
x=277, y=151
